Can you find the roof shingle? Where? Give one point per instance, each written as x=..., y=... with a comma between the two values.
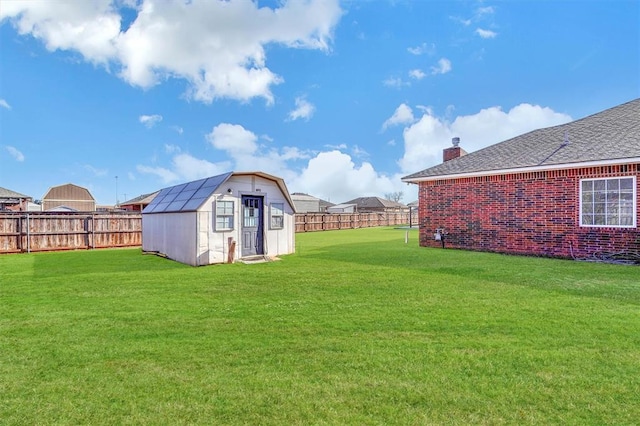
x=608, y=135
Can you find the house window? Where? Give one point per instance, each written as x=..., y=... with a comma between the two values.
x=608, y=202
x=224, y=215
x=277, y=215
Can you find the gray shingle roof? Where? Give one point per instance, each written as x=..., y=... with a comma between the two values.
x=374, y=202
x=7, y=193
x=141, y=199
x=608, y=135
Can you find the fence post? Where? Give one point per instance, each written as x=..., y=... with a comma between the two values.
x=28, y=235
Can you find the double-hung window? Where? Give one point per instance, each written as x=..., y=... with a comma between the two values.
x=224, y=215
x=277, y=215
x=608, y=202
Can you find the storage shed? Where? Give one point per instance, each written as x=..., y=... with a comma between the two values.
x=236, y=215
x=69, y=196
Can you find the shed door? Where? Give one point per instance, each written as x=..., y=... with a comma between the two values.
x=252, y=226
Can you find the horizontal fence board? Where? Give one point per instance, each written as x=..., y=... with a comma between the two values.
x=41, y=231
x=311, y=222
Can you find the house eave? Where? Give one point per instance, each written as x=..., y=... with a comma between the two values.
x=551, y=167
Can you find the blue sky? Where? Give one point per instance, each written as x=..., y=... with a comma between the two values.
x=341, y=99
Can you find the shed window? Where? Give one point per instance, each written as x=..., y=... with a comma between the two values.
x=608, y=202
x=224, y=215
x=277, y=215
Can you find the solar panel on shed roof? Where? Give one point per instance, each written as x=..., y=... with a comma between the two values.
x=186, y=196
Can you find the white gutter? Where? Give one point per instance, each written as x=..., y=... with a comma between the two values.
x=563, y=166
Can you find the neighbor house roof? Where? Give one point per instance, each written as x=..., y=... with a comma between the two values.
x=191, y=195
x=607, y=137
x=141, y=199
x=301, y=196
x=374, y=202
x=9, y=194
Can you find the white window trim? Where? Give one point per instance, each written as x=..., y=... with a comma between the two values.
x=271, y=216
x=635, y=203
x=232, y=215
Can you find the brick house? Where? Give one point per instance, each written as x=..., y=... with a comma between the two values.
x=568, y=191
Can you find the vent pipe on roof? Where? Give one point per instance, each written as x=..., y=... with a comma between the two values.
x=455, y=141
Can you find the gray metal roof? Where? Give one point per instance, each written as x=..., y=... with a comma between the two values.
x=613, y=134
x=186, y=196
x=190, y=196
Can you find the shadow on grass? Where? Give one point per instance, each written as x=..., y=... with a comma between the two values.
x=106, y=261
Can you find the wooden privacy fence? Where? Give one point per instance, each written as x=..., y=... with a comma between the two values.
x=36, y=231
x=308, y=222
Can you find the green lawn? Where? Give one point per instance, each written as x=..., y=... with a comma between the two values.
x=356, y=328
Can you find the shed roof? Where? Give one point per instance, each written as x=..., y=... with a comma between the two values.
x=612, y=134
x=68, y=191
x=191, y=195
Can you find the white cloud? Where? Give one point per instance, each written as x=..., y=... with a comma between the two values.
x=422, y=49
x=95, y=171
x=402, y=115
x=171, y=149
x=91, y=28
x=395, y=82
x=4, y=104
x=335, y=177
x=339, y=147
x=329, y=174
x=217, y=47
x=486, y=10
x=465, y=22
x=190, y=168
x=417, y=74
x=233, y=138
x=359, y=152
x=165, y=175
x=304, y=109
x=15, y=153
x=179, y=130
x=425, y=139
x=150, y=120
x=444, y=66
x=486, y=33
x=293, y=153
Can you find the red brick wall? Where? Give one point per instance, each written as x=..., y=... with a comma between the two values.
x=534, y=213
x=453, y=152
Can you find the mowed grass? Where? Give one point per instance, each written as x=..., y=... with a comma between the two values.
x=355, y=328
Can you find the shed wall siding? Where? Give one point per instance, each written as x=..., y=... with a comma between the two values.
x=526, y=213
x=171, y=234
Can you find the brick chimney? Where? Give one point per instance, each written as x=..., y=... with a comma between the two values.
x=453, y=152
